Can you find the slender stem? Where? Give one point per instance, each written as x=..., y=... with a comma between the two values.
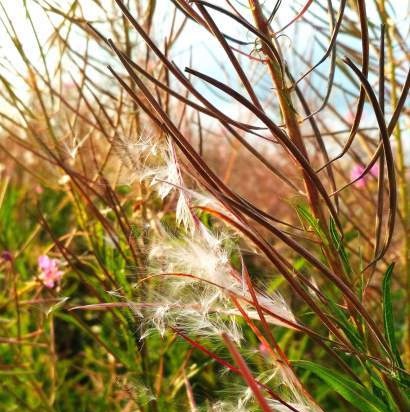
x=404, y=198
x=294, y=132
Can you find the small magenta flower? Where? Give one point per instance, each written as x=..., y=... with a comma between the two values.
x=50, y=273
x=357, y=172
x=38, y=189
x=264, y=350
x=6, y=255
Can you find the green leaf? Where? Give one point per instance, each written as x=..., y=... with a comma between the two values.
x=300, y=263
x=349, y=330
x=123, y=189
x=306, y=216
x=359, y=396
x=136, y=233
x=379, y=388
x=338, y=243
x=388, y=315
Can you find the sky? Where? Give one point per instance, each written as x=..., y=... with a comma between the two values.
x=195, y=41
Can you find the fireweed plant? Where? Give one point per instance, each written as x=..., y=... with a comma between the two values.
x=228, y=239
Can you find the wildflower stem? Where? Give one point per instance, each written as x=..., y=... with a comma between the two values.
x=246, y=374
x=404, y=194
x=293, y=129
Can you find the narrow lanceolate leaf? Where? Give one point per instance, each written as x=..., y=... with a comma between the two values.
x=349, y=330
x=388, y=315
x=338, y=243
x=359, y=396
x=306, y=216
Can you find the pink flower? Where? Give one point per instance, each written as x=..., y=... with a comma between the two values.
x=264, y=350
x=357, y=172
x=50, y=274
x=6, y=255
